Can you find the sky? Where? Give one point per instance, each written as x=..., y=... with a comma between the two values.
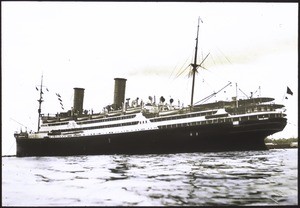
x=151, y=44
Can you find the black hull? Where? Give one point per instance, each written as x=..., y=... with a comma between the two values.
x=248, y=135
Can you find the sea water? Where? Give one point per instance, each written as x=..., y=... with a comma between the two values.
x=209, y=179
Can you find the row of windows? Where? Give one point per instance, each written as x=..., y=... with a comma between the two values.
x=258, y=109
x=216, y=116
x=251, y=110
x=55, y=124
x=224, y=120
x=107, y=119
x=92, y=121
x=181, y=116
x=97, y=127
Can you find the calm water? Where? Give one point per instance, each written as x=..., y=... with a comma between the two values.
x=226, y=178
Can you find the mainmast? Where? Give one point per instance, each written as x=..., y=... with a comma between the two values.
x=194, y=65
x=40, y=103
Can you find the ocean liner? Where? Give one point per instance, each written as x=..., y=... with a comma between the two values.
x=153, y=127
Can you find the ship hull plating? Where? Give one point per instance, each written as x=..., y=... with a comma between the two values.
x=248, y=135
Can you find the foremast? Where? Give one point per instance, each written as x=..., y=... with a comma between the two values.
x=40, y=103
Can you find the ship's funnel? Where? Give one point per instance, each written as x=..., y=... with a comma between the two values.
x=78, y=100
x=119, y=94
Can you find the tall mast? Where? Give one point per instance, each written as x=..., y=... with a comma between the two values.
x=40, y=103
x=194, y=65
x=236, y=96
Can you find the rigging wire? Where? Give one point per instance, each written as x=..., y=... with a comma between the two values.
x=214, y=74
x=258, y=89
x=182, y=71
x=207, y=84
x=179, y=71
x=244, y=93
x=224, y=55
x=173, y=70
x=18, y=123
x=8, y=151
x=213, y=59
x=214, y=93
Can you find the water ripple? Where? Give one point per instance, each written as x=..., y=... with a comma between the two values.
x=193, y=179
